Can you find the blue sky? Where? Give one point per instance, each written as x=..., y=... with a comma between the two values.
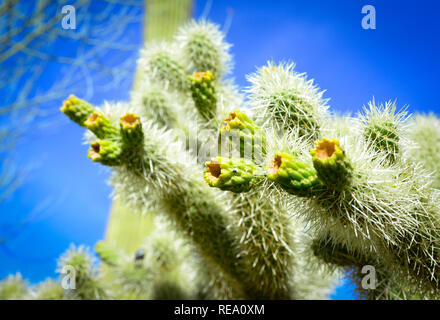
x=68, y=194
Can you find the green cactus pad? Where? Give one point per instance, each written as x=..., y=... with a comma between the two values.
x=106, y=152
x=294, y=176
x=332, y=165
x=101, y=126
x=245, y=134
x=236, y=175
x=77, y=109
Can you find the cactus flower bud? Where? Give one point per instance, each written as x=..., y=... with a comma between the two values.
x=294, y=176
x=203, y=94
x=101, y=126
x=231, y=174
x=131, y=130
x=332, y=165
x=106, y=152
x=132, y=137
x=77, y=109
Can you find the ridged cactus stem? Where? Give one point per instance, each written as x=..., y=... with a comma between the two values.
x=266, y=240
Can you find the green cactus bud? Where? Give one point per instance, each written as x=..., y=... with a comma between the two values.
x=246, y=135
x=77, y=109
x=294, y=176
x=132, y=139
x=131, y=131
x=236, y=175
x=203, y=94
x=332, y=165
x=106, y=152
x=101, y=126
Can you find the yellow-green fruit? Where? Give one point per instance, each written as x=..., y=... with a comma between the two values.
x=293, y=175
x=236, y=175
x=101, y=126
x=239, y=132
x=332, y=165
x=106, y=152
x=203, y=94
x=77, y=109
x=132, y=139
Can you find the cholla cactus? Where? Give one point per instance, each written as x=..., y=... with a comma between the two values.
x=322, y=195
x=48, y=290
x=80, y=264
x=13, y=287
